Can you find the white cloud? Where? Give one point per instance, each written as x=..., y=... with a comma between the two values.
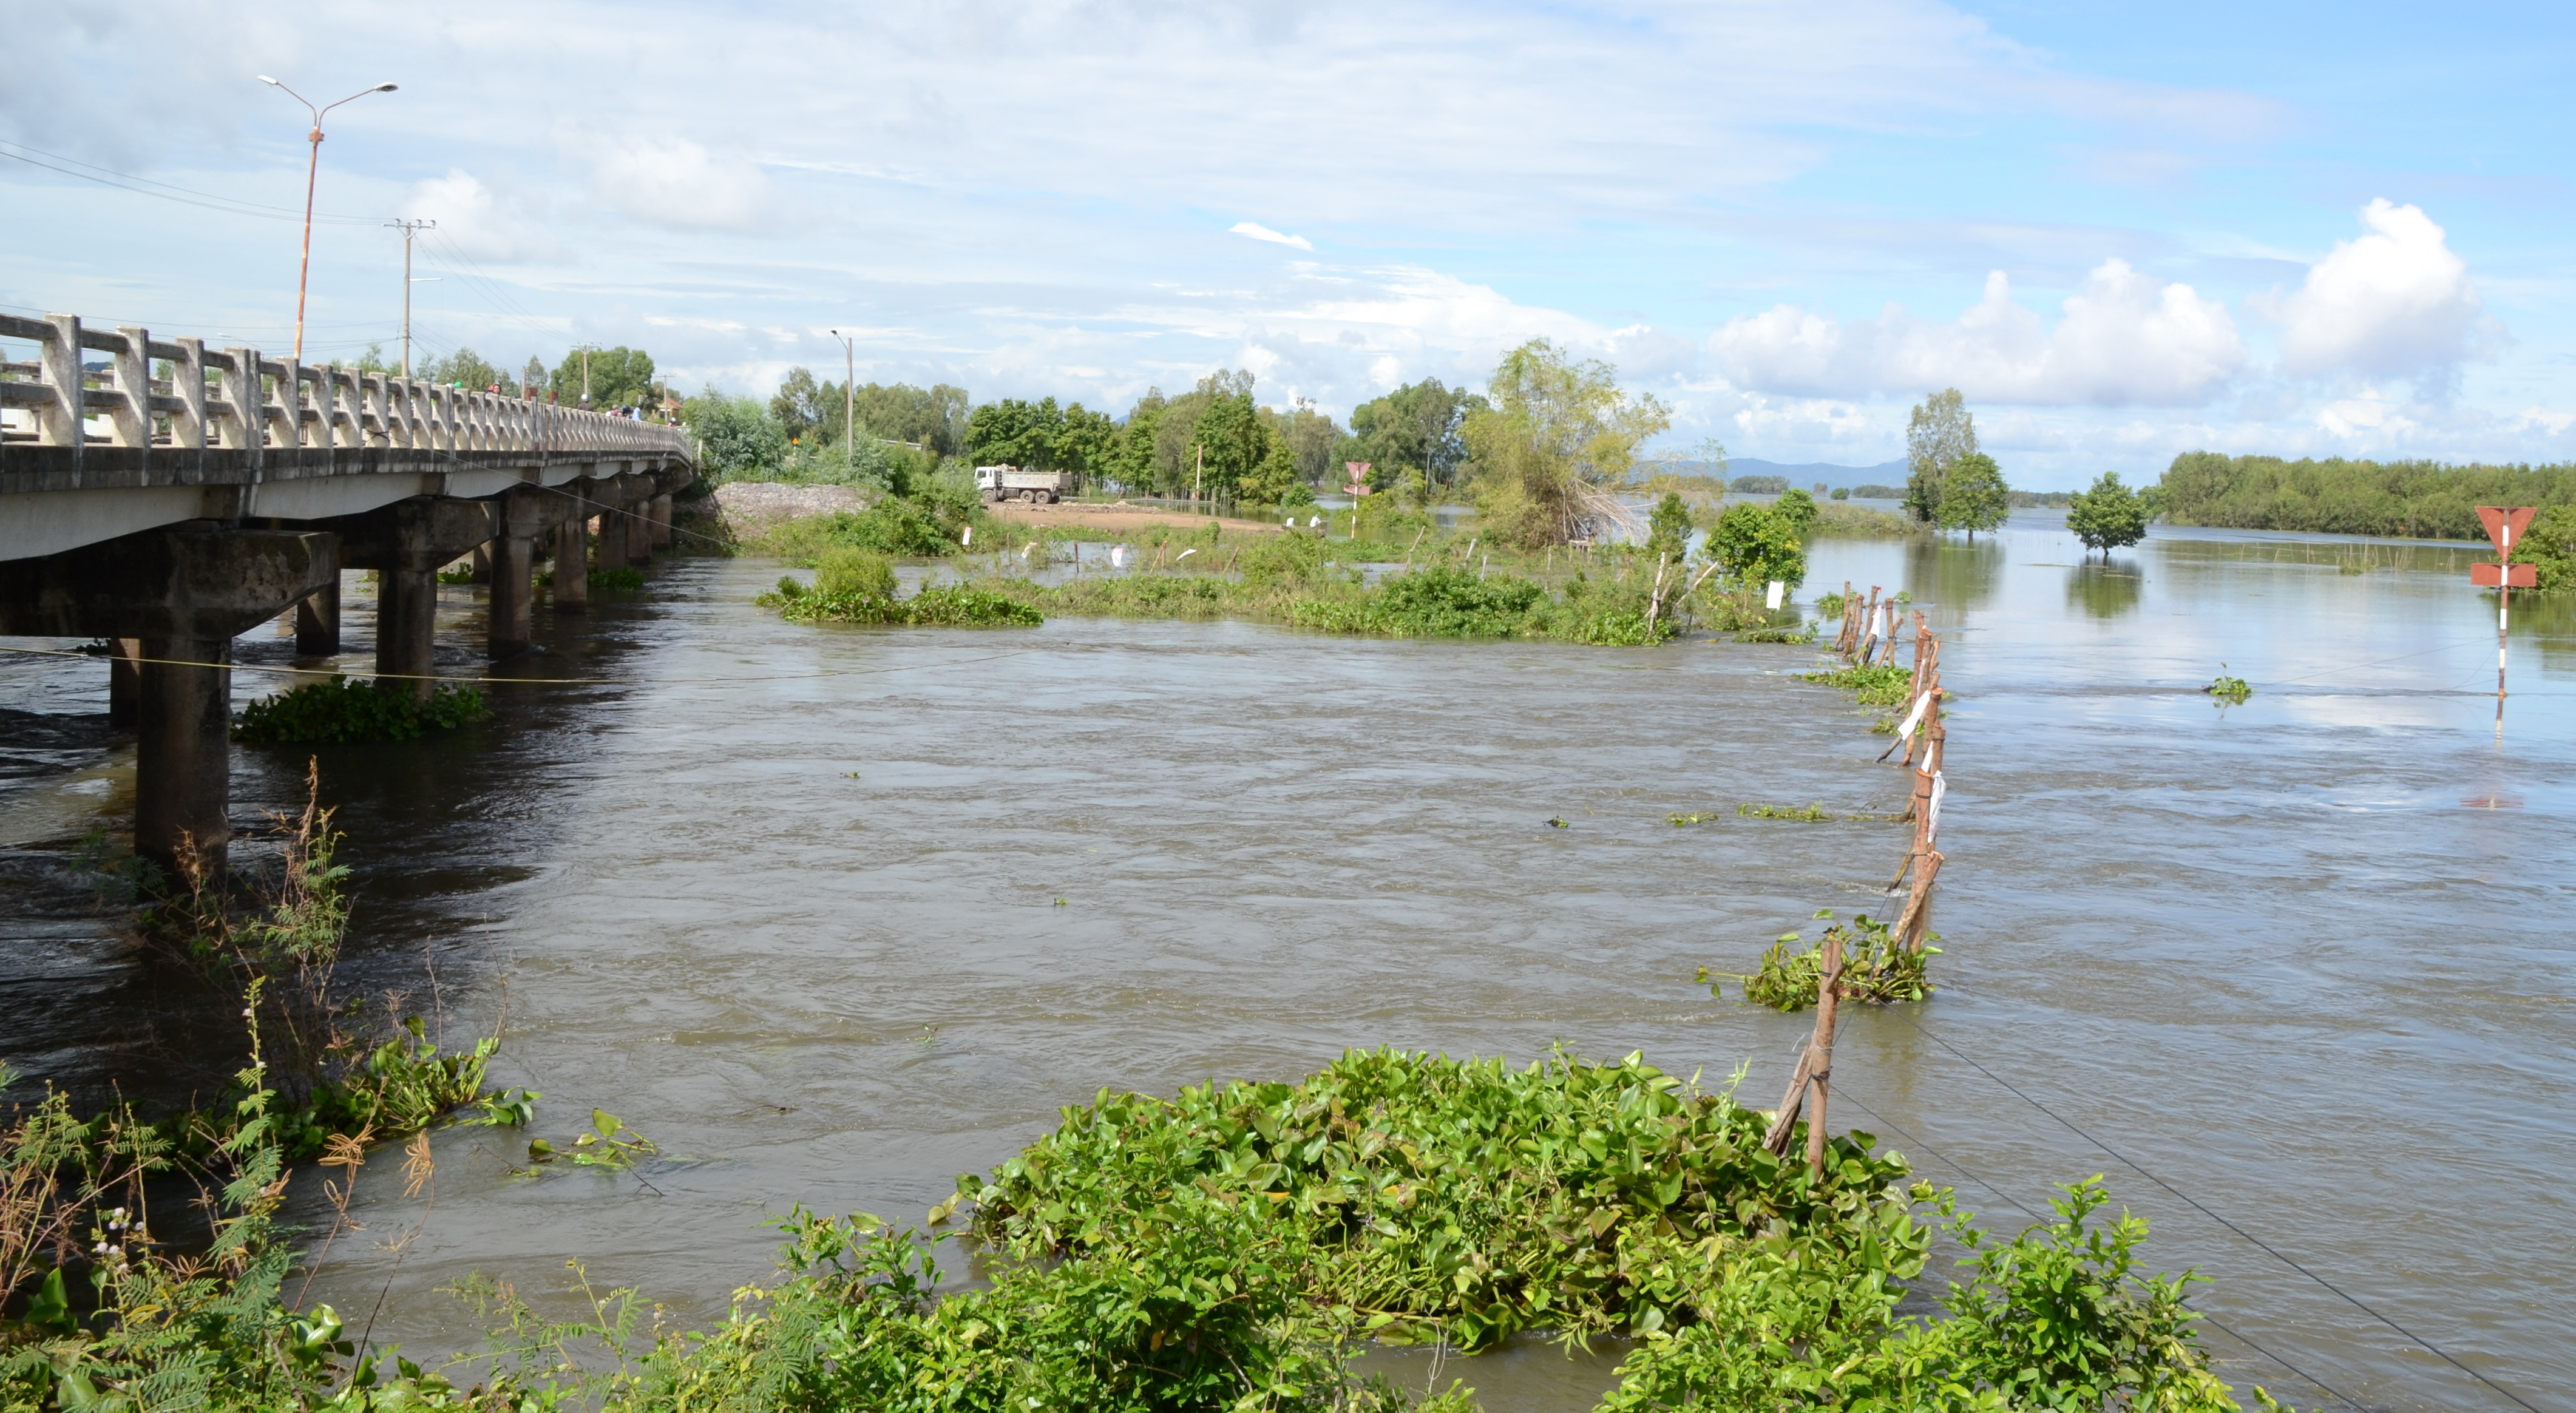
x=2395, y=303
x=474, y=221
x=2123, y=340
x=681, y=184
x=1258, y=231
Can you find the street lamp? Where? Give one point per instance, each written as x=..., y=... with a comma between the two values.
x=849, y=398
x=311, y=167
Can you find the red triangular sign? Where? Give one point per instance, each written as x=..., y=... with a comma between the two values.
x=2505, y=526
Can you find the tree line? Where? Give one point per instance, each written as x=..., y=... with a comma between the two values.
x=2404, y=499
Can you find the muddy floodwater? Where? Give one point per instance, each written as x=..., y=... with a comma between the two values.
x=832, y=915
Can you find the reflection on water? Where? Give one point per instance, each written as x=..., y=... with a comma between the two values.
x=2102, y=592
x=1953, y=573
x=785, y=900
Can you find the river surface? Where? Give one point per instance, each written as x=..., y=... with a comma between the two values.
x=833, y=915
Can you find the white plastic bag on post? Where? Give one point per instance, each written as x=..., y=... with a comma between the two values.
x=1914, y=718
x=1932, y=817
x=1771, y=600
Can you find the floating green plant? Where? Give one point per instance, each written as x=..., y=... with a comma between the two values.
x=350, y=711
x=2229, y=691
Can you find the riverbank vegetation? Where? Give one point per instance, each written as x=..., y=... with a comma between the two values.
x=2413, y=499
x=349, y=710
x=858, y=586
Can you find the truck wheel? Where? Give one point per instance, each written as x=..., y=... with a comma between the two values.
x=1046, y=497
x=1028, y=497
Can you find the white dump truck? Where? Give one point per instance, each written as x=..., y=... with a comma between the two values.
x=1012, y=482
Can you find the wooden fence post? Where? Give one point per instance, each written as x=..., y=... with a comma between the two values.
x=1808, y=1083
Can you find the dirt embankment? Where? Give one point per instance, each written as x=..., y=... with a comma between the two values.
x=1116, y=516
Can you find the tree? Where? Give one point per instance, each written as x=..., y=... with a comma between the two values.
x=1417, y=427
x=1940, y=432
x=1755, y=544
x=618, y=376
x=1235, y=442
x=1974, y=496
x=462, y=369
x=797, y=405
x=1277, y=480
x=1798, y=508
x=534, y=375
x=1668, y=528
x=1557, y=437
x=1311, y=437
x=2110, y=516
x=740, y=440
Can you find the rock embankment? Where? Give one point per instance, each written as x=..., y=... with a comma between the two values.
x=747, y=509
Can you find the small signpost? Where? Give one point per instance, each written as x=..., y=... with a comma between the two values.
x=1358, y=472
x=2504, y=526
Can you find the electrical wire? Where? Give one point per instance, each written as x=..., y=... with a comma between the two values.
x=525, y=681
x=127, y=181
x=2266, y=1247
x=2213, y=1321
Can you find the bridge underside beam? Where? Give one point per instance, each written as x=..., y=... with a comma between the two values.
x=406, y=543
x=185, y=593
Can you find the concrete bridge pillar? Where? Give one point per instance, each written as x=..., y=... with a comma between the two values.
x=572, y=557
x=183, y=755
x=407, y=543
x=317, y=622
x=522, y=515
x=661, y=522
x=613, y=539
x=123, y=682
x=639, y=519
x=185, y=592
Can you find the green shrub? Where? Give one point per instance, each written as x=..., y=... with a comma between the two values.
x=1878, y=684
x=847, y=569
x=624, y=579
x=348, y=710
x=1875, y=968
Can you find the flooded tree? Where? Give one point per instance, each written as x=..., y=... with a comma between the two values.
x=1558, y=439
x=1940, y=432
x=2110, y=516
x=1974, y=496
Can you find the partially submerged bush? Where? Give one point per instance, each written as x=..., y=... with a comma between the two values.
x=1875, y=968
x=347, y=710
x=859, y=600
x=1878, y=684
x=848, y=569
x=1459, y=1199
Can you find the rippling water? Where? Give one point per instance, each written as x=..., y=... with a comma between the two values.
x=832, y=915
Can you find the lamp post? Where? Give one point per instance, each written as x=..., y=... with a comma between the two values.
x=849, y=398
x=312, y=167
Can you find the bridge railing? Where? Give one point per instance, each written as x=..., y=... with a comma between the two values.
x=240, y=399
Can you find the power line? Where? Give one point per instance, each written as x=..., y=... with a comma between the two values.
x=2256, y=1241
x=2213, y=1321
x=185, y=196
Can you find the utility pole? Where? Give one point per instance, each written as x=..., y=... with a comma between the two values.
x=849, y=398
x=312, y=169
x=586, y=350
x=1199, y=479
x=409, y=229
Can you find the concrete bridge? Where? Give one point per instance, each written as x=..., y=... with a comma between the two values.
x=170, y=514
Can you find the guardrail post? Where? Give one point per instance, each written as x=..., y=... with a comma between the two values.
x=243, y=389
x=132, y=415
x=64, y=422
x=188, y=381
x=131, y=418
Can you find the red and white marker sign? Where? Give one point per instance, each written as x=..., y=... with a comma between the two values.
x=1358, y=472
x=2505, y=525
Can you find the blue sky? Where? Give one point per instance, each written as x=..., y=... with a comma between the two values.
x=2123, y=231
